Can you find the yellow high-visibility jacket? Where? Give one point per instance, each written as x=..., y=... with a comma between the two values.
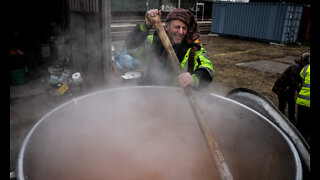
x=149, y=47
x=304, y=94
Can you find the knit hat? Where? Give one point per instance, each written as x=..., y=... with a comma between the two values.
x=193, y=32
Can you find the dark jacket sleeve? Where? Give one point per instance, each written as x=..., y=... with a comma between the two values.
x=204, y=76
x=136, y=37
x=204, y=69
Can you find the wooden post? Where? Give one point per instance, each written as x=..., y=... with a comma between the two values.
x=106, y=39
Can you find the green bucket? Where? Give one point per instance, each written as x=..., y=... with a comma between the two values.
x=18, y=77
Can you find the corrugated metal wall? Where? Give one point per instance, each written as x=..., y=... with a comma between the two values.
x=137, y=6
x=84, y=6
x=274, y=22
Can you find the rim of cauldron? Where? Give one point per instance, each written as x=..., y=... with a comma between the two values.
x=20, y=172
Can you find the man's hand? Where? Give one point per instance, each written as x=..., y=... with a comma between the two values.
x=185, y=79
x=151, y=13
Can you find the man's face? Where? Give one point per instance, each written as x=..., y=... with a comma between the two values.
x=176, y=31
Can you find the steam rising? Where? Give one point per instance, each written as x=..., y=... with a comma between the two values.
x=123, y=136
x=151, y=133
x=130, y=137
x=148, y=134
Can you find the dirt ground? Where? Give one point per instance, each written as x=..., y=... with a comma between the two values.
x=226, y=52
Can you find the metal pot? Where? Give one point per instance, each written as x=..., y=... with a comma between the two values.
x=150, y=133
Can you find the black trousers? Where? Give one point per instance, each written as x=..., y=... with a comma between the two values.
x=289, y=98
x=303, y=122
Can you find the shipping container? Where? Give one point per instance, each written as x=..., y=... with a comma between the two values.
x=271, y=22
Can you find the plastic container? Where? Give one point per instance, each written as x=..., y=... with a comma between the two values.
x=18, y=77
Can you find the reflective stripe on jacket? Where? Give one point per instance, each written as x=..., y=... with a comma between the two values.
x=304, y=94
x=201, y=60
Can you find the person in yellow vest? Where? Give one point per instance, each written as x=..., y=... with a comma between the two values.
x=288, y=83
x=303, y=102
x=184, y=34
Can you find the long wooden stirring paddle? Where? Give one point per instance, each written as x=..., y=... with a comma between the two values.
x=206, y=132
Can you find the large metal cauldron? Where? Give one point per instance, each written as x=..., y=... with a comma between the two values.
x=151, y=133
